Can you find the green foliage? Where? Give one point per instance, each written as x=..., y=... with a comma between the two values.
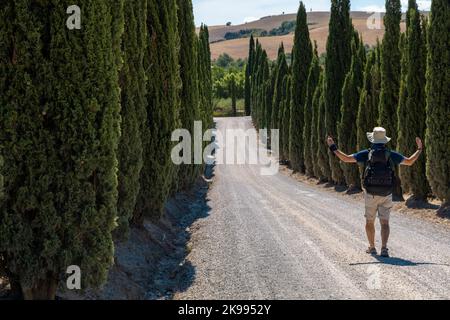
x=390, y=77
x=279, y=92
x=302, y=54
x=190, y=106
x=314, y=145
x=412, y=105
x=369, y=99
x=285, y=28
x=248, y=75
x=390, y=70
x=285, y=114
x=337, y=65
x=226, y=61
x=205, y=78
x=309, y=146
x=163, y=106
x=222, y=79
x=59, y=127
x=322, y=150
x=133, y=100
x=347, y=131
x=437, y=139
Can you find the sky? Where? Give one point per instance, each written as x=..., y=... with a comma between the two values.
x=219, y=12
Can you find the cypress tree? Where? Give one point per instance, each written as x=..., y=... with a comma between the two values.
x=190, y=107
x=313, y=79
x=322, y=149
x=133, y=111
x=205, y=78
x=248, y=75
x=256, y=63
x=317, y=172
x=390, y=69
x=438, y=96
x=337, y=65
x=59, y=127
x=268, y=95
x=369, y=99
x=264, y=76
x=302, y=55
x=284, y=118
x=278, y=94
x=411, y=112
x=390, y=77
x=347, y=132
x=161, y=63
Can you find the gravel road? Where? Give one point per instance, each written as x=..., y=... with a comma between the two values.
x=271, y=237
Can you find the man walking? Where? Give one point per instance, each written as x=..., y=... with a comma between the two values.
x=378, y=181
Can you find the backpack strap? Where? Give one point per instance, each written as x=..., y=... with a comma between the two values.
x=389, y=159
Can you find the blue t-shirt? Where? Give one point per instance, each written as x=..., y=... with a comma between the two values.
x=363, y=156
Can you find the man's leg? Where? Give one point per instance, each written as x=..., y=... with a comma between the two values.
x=370, y=230
x=384, y=211
x=371, y=213
x=385, y=232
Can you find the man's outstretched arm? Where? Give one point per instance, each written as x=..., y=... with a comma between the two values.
x=342, y=156
x=411, y=160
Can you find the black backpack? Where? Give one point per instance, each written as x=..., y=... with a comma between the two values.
x=379, y=173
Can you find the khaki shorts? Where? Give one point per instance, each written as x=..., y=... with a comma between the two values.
x=382, y=205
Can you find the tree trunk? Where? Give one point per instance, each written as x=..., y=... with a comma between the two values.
x=43, y=290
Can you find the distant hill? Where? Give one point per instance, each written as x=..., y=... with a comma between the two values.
x=318, y=21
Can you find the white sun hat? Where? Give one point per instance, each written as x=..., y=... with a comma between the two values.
x=378, y=136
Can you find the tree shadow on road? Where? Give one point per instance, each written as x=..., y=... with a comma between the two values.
x=175, y=272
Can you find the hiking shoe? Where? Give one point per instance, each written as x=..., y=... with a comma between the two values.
x=385, y=253
x=372, y=251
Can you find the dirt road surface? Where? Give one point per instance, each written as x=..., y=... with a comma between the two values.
x=271, y=237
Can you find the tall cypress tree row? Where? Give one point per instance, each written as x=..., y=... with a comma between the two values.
x=205, y=78
x=337, y=65
x=390, y=77
x=322, y=132
x=347, y=131
x=248, y=74
x=302, y=55
x=411, y=112
x=390, y=69
x=59, y=130
x=284, y=118
x=438, y=96
x=313, y=79
x=262, y=74
x=369, y=99
x=190, y=107
x=163, y=102
x=315, y=147
x=278, y=94
x=256, y=63
x=266, y=95
x=270, y=90
x=133, y=111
